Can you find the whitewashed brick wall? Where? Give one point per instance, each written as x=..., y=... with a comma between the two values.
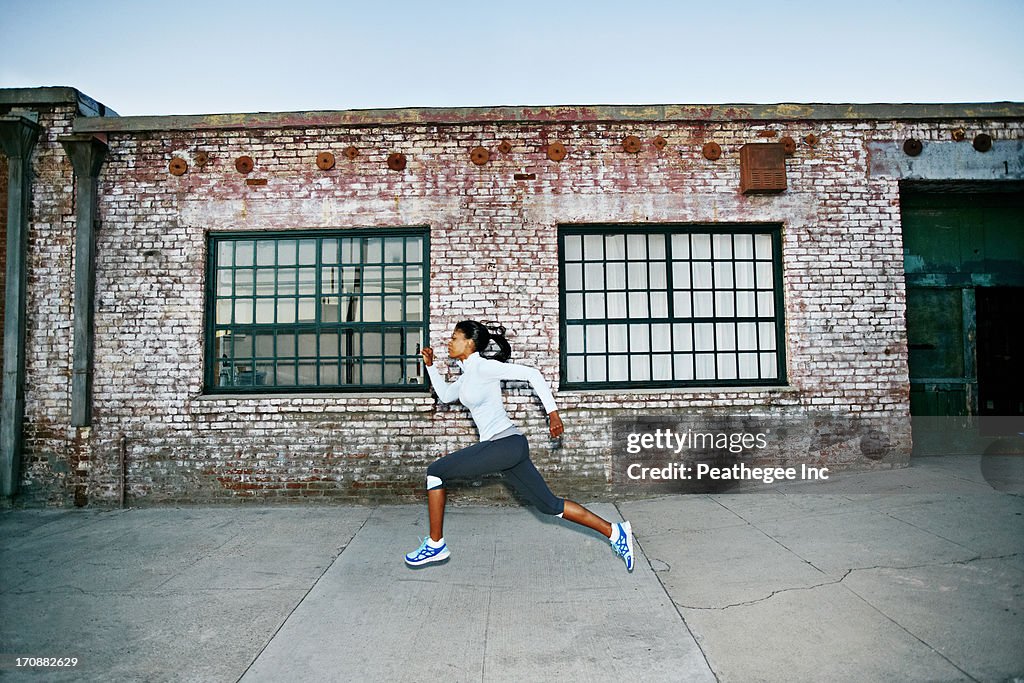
x=493, y=244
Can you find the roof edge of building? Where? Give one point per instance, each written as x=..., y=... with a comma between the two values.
x=445, y=116
x=54, y=95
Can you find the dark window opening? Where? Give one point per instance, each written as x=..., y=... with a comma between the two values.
x=317, y=311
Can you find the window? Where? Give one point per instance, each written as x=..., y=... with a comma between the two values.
x=671, y=306
x=316, y=311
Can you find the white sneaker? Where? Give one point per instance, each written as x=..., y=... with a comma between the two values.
x=623, y=545
x=426, y=554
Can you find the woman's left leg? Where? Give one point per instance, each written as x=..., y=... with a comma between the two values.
x=574, y=512
x=531, y=485
x=525, y=478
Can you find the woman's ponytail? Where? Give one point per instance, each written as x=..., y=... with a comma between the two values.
x=497, y=333
x=483, y=334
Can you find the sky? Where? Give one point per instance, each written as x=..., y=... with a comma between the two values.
x=192, y=57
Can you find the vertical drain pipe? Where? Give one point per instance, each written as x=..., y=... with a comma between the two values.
x=124, y=472
x=19, y=132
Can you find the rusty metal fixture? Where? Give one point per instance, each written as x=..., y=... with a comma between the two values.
x=767, y=133
x=479, y=156
x=711, y=151
x=255, y=182
x=524, y=176
x=396, y=161
x=631, y=144
x=201, y=158
x=325, y=161
x=788, y=145
x=244, y=165
x=912, y=147
x=351, y=152
x=762, y=168
x=178, y=166
x=982, y=142
x=811, y=139
x=505, y=147
x=959, y=134
x=660, y=142
x=556, y=151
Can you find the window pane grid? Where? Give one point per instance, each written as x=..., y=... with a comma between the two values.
x=316, y=312
x=700, y=306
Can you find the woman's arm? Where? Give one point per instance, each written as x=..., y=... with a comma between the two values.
x=446, y=393
x=540, y=385
x=555, y=424
x=523, y=373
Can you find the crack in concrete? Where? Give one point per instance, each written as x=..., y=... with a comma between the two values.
x=305, y=595
x=840, y=580
x=487, y=619
x=156, y=593
x=638, y=549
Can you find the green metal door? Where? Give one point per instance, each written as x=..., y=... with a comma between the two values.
x=959, y=248
x=940, y=380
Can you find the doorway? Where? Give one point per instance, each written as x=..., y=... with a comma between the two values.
x=1000, y=349
x=964, y=266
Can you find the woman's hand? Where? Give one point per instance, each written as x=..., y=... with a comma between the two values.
x=428, y=356
x=555, y=423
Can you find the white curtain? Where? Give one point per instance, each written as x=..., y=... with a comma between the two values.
x=624, y=277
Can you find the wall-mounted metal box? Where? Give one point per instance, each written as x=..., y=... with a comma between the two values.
x=762, y=168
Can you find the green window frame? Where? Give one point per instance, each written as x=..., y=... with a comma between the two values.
x=316, y=311
x=671, y=306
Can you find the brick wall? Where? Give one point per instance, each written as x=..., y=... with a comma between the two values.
x=55, y=459
x=493, y=255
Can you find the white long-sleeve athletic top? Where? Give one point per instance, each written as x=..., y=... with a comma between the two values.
x=479, y=389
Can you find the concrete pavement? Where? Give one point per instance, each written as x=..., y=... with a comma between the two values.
x=910, y=575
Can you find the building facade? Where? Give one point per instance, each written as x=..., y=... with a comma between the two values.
x=231, y=307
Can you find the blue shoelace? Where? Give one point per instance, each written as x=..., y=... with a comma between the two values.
x=425, y=550
x=621, y=547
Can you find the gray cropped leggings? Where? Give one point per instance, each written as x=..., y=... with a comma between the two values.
x=511, y=457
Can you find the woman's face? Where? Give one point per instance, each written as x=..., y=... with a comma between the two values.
x=459, y=347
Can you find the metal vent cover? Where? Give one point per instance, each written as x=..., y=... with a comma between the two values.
x=762, y=168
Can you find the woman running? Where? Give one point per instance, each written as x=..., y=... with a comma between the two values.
x=502, y=447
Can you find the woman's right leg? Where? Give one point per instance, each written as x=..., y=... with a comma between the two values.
x=466, y=463
x=459, y=464
x=435, y=507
